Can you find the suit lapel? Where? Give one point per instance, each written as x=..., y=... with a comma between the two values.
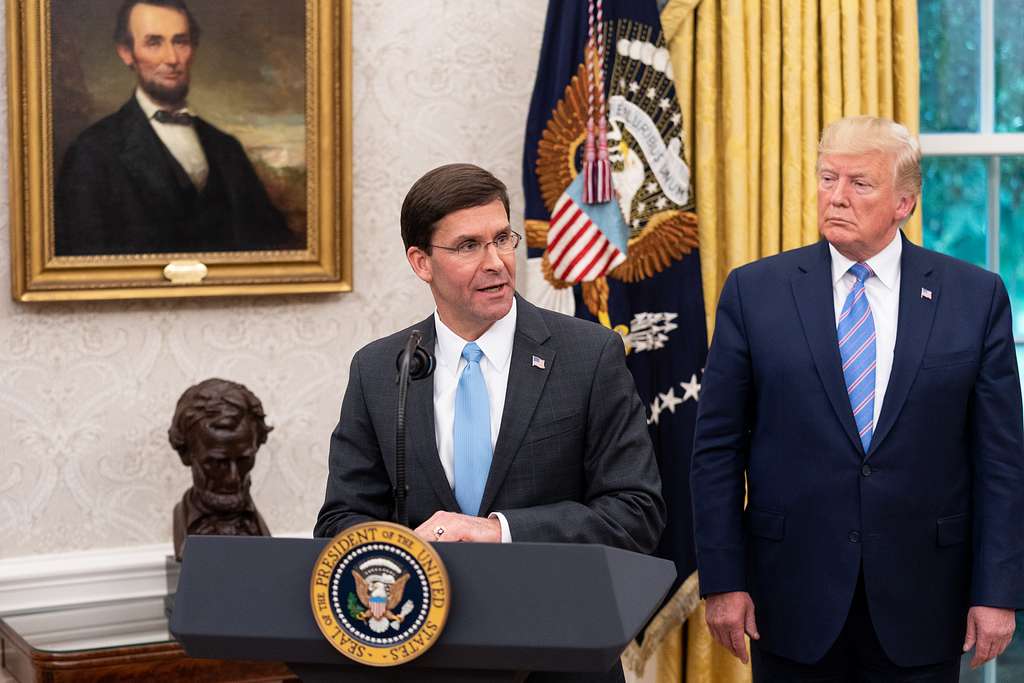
x=812, y=289
x=421, y=441
x=913, y=328
x=145, y=156
x=525, y=385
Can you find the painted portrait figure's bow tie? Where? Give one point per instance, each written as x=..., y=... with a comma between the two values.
x=180, y=118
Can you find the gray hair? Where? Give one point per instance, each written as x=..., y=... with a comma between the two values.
x=865, y=134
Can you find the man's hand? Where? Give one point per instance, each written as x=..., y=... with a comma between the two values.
x=729, y=616
x=989, y=631
x=456, y=527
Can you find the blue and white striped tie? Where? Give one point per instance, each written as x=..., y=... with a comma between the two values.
x=856, y=333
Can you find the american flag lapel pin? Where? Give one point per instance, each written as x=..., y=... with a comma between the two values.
x=538, y=362
x=926, y=294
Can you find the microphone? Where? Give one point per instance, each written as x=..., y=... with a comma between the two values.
x=421, y=362
x=414, y=362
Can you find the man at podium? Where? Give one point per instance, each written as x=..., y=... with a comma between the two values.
x=530, y=429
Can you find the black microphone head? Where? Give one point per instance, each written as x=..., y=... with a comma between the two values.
x=422, y=364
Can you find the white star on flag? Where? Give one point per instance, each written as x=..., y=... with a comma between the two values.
x=655, y=411
x=670, y=400
x=691, y=389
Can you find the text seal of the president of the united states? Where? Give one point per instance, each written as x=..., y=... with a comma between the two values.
x=380, y=594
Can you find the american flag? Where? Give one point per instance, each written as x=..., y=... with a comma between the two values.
x=577, y=249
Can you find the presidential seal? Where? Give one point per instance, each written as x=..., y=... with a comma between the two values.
x=380, y=595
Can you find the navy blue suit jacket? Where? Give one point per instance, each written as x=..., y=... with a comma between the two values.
x=933, y=512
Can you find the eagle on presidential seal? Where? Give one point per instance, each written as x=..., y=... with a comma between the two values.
x=380, y=585
x=645, y=148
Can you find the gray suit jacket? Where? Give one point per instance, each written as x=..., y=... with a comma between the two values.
x=573, y=461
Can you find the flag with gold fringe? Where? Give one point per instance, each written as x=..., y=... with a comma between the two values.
x=612, y=232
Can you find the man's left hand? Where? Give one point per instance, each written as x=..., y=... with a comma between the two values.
x=451, y=526
x=989, y=631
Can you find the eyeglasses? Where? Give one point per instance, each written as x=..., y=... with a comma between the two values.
x=503, y=243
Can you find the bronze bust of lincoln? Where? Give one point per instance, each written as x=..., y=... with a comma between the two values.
x=217, y=428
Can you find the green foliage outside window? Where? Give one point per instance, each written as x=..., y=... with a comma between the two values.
x=1009, y=47
x=950, y=40
x=953, y=199
x=1011, y=235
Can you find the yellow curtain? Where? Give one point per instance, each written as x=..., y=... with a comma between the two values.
x=757, y=81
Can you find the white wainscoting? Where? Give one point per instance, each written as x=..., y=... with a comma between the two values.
x=94, y=598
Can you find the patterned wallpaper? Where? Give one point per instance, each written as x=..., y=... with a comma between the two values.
x=87, y=390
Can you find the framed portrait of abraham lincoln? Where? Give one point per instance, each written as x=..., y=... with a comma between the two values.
x=177, y=148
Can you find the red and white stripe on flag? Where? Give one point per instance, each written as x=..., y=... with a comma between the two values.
x=577, y=249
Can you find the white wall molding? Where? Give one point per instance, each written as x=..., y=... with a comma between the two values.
x=69, y=581
x=44, y=583
x=92, y=598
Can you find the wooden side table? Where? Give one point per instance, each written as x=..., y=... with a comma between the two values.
x=162, y=661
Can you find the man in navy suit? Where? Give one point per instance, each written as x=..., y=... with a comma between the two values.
x=867, y=391
x=152, y=177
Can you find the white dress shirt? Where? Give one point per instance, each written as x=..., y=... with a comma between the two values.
x=496, y=344
x=883, y=292
x=181, y=141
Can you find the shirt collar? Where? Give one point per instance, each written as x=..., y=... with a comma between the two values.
x=496, y=342
x=149, y=107
x=885, y=264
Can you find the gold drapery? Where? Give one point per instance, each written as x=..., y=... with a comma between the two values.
x=757, y=81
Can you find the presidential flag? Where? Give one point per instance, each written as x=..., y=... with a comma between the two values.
x=604, y=107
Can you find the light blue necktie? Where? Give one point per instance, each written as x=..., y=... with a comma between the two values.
x=472, y=433
x=856, y=333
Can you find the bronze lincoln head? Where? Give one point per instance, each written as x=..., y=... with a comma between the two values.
x=217, y=428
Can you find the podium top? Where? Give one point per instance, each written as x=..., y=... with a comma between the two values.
x=532, y=606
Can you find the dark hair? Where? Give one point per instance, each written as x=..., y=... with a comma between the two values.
x=215, y=399
x=443, y=191
x=123, y=34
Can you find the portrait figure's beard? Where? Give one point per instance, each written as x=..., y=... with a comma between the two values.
x=162, y=94
x=222, y=502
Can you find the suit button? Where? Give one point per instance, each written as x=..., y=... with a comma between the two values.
x=866, y=470
x=854, y=537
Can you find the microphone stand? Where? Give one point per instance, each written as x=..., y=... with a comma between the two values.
x=414, y=362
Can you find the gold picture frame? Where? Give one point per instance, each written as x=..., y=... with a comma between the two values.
x=40, y=273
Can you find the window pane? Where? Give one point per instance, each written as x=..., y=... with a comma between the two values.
x=950, y=35
x=1009, y=35
x=953, y=199
x=967, y=674
x=1011, y=236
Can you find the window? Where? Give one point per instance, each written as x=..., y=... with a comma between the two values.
x=972, y=137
